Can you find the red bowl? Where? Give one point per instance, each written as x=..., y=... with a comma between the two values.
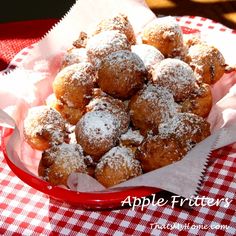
x=108, y=199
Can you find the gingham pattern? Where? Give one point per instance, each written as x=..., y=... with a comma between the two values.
x=19, y=57
x=26, y=211
x=202, y=24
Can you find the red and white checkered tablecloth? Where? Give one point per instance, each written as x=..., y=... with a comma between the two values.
x=26, y=211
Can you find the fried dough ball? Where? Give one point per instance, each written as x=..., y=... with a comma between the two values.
x=43, y=127
x=187, y=127
x=118, y=22
x=157, y=151
x=58, y=162
x=121, y=74
x=175, y=75
x=104, y=43
x=207, y=62
x=165, y=34
x=116, y=166
x=199, y=102
x=151, y=106
x=115, y=106
x=70, y=114
x=149, y=55
x=74, y=56
x=97, y=132
x=74, y=84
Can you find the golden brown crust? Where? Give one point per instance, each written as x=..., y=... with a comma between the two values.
x=74, y=56
x=105, y=43
x=121, y=74
x=157, y=151
x=70, y=114
x=74, y=84
x=207, y=62
x=118, y=22
x=58, y=162
x=115, y=106
x=166, y=35
x=150, y=56
x=44, y=127
x=199, y=102
x=176, y=76
x=117, y=166
x=97, y=132
x=151, y=106
x=187, y=127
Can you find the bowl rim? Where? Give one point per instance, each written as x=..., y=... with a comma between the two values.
x=107, y=199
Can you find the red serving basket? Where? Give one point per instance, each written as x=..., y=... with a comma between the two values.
x=108, y=199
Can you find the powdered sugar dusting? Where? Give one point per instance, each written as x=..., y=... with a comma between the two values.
x=106, y=42
x=165, y=34
x=149, y=54
x=99, y=125
x=132, y=136
x=160, y=98
x=84, y=73
x=118, y=22
x=99, y=104
x=175, y=75
x=169, y=25
x=126, y=60
x=45, y=119
x=80, y=73
x=115, y=106
x=75, y=55
x=181, y=125
x=119, y=157
x=201, y=55
x=69, y=157
x=73, y=85
x=71, y=133
x=203, y=50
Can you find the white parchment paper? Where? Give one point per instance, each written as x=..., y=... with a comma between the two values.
x=30, y=84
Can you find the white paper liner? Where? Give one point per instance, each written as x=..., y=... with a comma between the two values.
x=30, y=85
